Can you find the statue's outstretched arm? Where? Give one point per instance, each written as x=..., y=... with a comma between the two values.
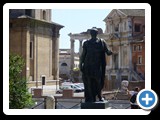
x=108, y=52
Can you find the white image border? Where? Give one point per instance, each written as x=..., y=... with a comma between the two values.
x=8, y=6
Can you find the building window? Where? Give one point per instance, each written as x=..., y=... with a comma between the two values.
x=139, y=47
x=139, y=59
x=31, y=49
x=125, y=26
x=44, y=15
x=64, y=64
x=137, y=27
x=28, y=12
x=134, y=48
x=116, y=29
x=124, y=78
x=115, y=59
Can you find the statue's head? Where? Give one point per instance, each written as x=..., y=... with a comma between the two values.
x=94, y=31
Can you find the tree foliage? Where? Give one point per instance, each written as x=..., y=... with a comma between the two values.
x=19, y=97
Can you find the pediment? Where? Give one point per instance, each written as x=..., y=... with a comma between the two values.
x=115, y=14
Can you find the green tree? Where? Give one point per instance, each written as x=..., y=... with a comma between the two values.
x=19, y=97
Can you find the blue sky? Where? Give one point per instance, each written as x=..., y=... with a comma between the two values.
x=77, y=21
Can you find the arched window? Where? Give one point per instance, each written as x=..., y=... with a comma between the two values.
x=44, y=14
x=64, y=64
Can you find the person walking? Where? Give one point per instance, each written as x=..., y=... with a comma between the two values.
x=132, y=98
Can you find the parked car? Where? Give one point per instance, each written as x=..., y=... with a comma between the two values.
x=80, y=85
x=60, y=91
x=72, y=86
x=66, y=83
x=76, y=88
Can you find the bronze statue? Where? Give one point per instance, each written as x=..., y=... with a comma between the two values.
x=92, y=66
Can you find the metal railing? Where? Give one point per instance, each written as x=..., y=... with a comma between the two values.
x=68, y=104
x=40, y=104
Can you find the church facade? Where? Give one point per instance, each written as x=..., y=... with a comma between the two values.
x=35, y=37
x=125, y=36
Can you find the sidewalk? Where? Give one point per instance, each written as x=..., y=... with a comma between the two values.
x=47, y=89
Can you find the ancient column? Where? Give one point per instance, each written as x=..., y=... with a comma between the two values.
x=112, y=58
x=35, y=57
x=80, y=47
x=57, y=59
x=55, y=54
x=119, y=56
x=80, y=52
x=50, y=59
x=28, y=54
x=130, y=62
x=120, y=63
x=72, y=54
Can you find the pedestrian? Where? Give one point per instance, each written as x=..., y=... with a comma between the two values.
x=132, y=98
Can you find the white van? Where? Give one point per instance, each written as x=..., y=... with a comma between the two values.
x=72, y=86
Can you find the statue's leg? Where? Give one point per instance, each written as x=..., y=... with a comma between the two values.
x=96, y=88
x=87, y=88
x=99, y=88
x=90, y=89
x=93, y=89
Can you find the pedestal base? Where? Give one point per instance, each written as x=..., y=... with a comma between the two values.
x=95, y=105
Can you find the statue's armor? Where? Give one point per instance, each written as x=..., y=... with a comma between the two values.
x=93, y=58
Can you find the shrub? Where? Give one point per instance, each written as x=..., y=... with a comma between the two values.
x=19, y=97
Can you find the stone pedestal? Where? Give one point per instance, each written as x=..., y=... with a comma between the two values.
x=50, y=102
x=68, y=93
x=95, y=105
x=37, y=92
x=122, y=96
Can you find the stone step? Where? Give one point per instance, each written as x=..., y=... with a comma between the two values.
x=95, y=105
x=121, y=96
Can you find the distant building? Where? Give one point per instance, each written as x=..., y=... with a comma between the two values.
x=33, y=35
x=124, y=34
x=65, y=63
